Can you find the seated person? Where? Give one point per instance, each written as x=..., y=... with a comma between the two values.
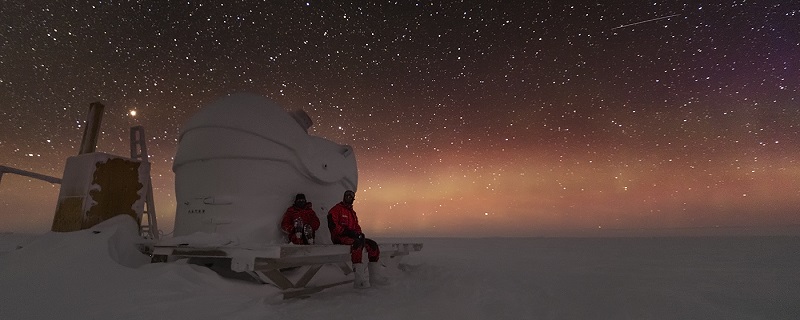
x=343, y=223
x=300, y=222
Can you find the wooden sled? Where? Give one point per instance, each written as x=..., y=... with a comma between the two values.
x=272, y=264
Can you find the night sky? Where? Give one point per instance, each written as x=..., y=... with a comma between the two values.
x=468, y=118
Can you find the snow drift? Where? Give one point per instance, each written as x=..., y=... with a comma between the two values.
x=98, y=273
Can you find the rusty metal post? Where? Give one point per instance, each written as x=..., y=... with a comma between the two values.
x=138, y=145
x=92, y=130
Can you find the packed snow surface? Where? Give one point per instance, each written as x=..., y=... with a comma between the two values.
x=99, y=274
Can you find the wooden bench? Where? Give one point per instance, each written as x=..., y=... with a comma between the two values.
x=270, y=264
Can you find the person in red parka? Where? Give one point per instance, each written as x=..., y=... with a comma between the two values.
x=300, y=222
x=344, y=227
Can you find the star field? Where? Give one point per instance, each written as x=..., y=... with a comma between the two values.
x=467, y=118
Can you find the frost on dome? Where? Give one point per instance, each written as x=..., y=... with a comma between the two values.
x=239, y=164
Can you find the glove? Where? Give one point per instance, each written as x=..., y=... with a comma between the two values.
x=358, y=241
x=351, y=234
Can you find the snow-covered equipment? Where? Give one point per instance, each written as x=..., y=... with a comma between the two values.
x=240, y=162
x=97, y=186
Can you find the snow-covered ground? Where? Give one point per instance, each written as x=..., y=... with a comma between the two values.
x=97, y=274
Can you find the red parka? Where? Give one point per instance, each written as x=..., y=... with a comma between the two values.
x=342, y=219
x=308, y=216
x=343, y=222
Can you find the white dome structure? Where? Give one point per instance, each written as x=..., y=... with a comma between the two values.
x=239, y=164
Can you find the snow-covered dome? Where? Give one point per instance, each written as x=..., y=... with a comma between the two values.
x=241, y=160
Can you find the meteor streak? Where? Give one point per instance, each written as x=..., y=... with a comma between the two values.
x=645, y=21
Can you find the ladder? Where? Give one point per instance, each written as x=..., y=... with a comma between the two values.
x=148, y=230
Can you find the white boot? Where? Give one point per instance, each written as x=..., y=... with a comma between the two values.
x=375, y=275
x=362, y=280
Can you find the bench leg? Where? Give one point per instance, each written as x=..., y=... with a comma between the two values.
x=307, y=276
x=277, y=278
x=346, y=268
x=273, y=276
x=305, y=292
